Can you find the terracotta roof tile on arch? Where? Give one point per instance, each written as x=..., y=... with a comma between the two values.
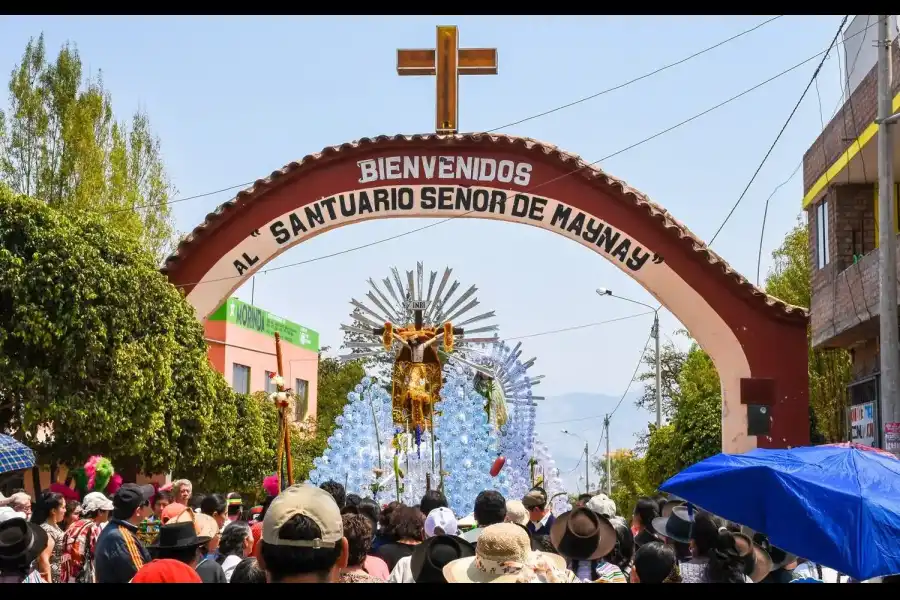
x=570, y=161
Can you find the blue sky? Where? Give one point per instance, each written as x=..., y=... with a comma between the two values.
x=234, y=98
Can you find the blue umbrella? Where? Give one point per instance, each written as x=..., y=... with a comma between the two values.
x=837, y=505
x=14, y=455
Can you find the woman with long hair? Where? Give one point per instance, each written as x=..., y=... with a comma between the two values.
x=645, y=511
x=49, y=511
x=655, y=563
x=715, y=555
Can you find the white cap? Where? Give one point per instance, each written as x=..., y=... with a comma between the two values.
x=516, y=512
x=96, y=501
x=7, y=513
x=443, y=518
x=602, y=505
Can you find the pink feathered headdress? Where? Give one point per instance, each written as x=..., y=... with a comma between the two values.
x=67, y=492
x=270, y=485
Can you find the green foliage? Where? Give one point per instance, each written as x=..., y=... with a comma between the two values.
x=629, y=479
x=242, y=441
x=695, y=429
x=335, y=380
x=95, y=345
x=672, y=360
x=829, y=370
x=60, y=143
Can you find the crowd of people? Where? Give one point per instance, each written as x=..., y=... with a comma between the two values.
x=307, y=534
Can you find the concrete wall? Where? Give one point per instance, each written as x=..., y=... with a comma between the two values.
x=230, y=344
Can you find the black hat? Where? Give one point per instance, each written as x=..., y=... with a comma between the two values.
x=677, y=526
x=20, y=543
x=178, y=535
x=582, y=534
x=429, y=557
x=132, y=496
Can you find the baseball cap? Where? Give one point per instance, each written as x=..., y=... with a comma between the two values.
x=603, y=505
x=534, y=499
x=441, y=517
x=96, y=501
x=131, y=496
x=311, y=502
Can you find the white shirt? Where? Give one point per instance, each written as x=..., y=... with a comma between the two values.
x=228, y=565
x=829, y=575
x=542, y=522
x=402, y=572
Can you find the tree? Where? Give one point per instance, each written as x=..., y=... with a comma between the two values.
x=695, y=430
x=672, y=359
x=629, y=479
x=829, y=370
x=99, y=354
x=335, y=380
x=61, y=144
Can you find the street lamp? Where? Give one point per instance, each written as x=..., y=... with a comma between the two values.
x=587, y=482
x=655, y=334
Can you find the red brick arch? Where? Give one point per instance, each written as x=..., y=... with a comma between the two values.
x=757, y=342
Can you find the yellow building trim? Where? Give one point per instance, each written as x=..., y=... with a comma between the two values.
x=844, y=159
x=896, y=211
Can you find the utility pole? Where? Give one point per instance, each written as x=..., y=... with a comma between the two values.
x=608, y=459
x=658, y=371
x=887, y=240
x=587, y=474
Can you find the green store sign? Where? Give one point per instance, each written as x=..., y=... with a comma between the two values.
x=256, y=319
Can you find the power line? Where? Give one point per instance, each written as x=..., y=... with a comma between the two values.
x=522, y=337
x=636, y=79
x=851, y=68
x=520, y=121
x=535, y=187
x=783, y=128
x=633, y=375
x=636, y=369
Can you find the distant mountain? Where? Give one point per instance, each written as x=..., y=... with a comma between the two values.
x=582, y=414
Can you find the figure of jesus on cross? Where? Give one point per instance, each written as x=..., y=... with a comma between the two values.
x=417, y=369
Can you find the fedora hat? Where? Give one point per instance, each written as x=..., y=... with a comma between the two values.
x=676, y=526
x=582, y=534
x=431, y=556
x=780, y=558
x=757, y=562
x=178, y=535
x=665, y=509
x=502, y=549
x=21, y=542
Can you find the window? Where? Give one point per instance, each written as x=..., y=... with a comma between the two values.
x=301, y=399
x=822, y=245
x=896, y=211
x=270, y=385
x=240, y=378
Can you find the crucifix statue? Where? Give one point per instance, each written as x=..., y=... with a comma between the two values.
x=417, y=370
x=447, y=61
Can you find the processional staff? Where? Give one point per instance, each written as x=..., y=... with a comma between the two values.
x=284, y=426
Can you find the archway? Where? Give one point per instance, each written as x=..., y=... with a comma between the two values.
x=757, y=342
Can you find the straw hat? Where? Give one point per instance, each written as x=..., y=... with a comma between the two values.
x=516, y=512
x=503, y=549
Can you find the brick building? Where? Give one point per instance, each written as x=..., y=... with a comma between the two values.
x=840, y=175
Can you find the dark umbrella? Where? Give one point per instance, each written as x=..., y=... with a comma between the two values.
x=14, y=455
x=837, y=505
